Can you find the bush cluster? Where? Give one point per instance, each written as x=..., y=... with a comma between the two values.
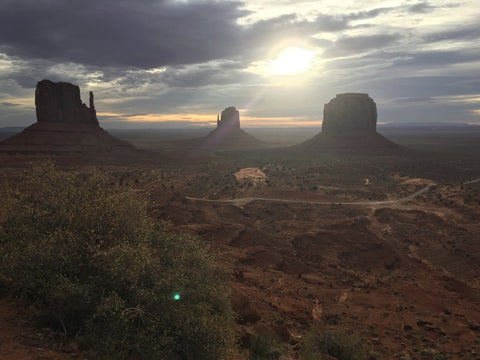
x=86, y=253
x=264, y=347
x=323, y=345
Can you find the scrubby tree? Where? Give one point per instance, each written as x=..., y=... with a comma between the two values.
x=86, y=253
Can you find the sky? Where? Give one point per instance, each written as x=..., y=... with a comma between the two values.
x=179, y=63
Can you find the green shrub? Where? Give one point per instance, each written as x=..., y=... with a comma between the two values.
x=86, y=253
x=264, y=347
x=337, y=344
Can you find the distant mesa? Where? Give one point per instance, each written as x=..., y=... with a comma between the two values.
x=228, y=134
x=349, y=123
x=351, y=113
x=65, y=126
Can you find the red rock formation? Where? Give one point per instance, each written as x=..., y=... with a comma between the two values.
x=230, y=118
x=60, y=103
x=350, y=114
x=228, y=133
x=349, y=125
x=65, y=126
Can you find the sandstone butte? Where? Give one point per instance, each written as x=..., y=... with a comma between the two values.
x=60, y=103
x=228, y=133
x=65, y=126
x=349, y=123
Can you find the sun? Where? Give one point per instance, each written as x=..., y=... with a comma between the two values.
x=292, y=60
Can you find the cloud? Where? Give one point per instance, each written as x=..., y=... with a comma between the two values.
x=414, y=100
x=370, y=14
x=197, y=44
x=142, y=33
x=214, y=73
x=438, y=58
x=421, y=8
x=8, y=104
x=149, y=34
x=360, y=44
x=466, y=32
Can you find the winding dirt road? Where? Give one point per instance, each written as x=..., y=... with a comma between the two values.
x=246, y=200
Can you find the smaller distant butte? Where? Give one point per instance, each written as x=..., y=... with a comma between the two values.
x=230, y=118
x=228, y=134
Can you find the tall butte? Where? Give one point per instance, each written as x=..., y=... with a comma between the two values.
x=65, y=126
x=60, y=103
x=350, y=123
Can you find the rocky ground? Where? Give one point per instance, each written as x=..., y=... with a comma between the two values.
x=22, y=338
x=403, y=276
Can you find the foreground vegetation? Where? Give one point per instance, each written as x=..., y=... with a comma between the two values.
x=86, y=254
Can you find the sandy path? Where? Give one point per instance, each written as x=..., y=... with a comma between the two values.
x=246, y=200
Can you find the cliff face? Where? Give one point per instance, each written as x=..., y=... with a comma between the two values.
x=228, y=134
x=230, y=118
x=60, y=103
x=350, y=114
x=349, y=125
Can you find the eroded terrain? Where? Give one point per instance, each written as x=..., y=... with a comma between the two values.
x=331, y=242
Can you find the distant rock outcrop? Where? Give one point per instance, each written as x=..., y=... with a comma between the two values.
x=60, y=103
x=228, y=134
x=349, y=124
x=230, y=118
x=351, y=113
x=65, y=127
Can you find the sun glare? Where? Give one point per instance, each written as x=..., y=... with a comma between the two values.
x=292, y=60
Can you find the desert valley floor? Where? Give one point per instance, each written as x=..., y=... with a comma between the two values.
x=319, y=239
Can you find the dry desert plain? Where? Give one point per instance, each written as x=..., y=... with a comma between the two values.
x=328, y=240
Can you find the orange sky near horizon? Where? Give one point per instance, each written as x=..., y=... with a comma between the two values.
x=210, y=119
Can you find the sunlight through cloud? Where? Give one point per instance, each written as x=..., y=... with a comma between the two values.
x=292, y=60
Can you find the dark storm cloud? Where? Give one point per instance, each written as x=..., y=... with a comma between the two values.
x=148, y=33
x=199, y=43
x=134, y=33
x=27, y=73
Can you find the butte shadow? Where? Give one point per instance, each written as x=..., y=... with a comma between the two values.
x=65, y=127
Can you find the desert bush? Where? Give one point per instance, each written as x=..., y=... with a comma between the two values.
x=321, y=345
x=85, y=252
x=264, y=347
